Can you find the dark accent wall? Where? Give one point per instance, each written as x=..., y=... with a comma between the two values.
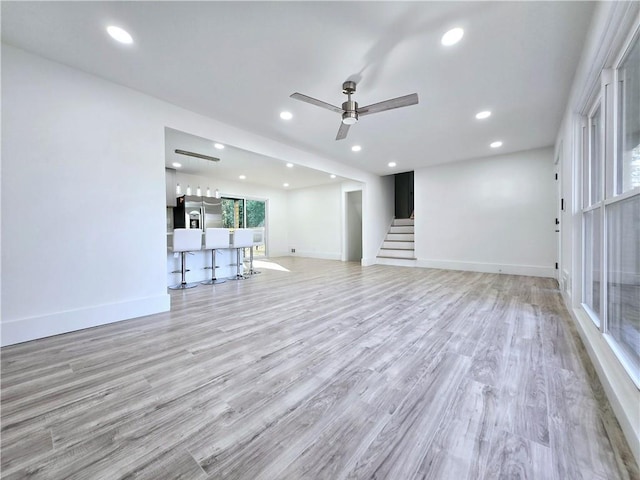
x=404, y=194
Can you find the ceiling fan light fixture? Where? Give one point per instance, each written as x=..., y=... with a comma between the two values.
x=349, y=118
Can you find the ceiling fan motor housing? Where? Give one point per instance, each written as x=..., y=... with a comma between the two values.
x=350, y=114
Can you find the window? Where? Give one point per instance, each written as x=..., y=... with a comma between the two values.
x=592, y=269
x=245, y=213
x=233, y=212
x=628, y=171
x=595, y=157
x=256, y=213
x=592, y=215
x=623, y=278
x=611, y=209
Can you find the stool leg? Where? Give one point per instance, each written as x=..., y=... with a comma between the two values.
x=251, y=270
x=239, y=276
x=183, y=270
x=183, y=261
x=213, y=280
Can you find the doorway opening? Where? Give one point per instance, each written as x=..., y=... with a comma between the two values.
x=353, y=226
x=404, y=195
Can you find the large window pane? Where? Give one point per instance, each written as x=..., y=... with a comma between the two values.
x=628, y=171
x=623, y=277
x=592, y=228
x=595, y=157
x=256, y=213
x=232, y=212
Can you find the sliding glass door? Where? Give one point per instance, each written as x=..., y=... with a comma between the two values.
x=246, y=213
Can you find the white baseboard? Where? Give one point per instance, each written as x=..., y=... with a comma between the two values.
x=321, y=255
x=366, y=262
x=32, y=328
x=528, y=270
x=621, y=392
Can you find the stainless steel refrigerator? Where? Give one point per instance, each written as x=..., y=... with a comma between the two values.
x=193, y=211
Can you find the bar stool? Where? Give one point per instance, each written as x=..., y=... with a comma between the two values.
x=186, y=240
x=258, y=239
x=215, y=238
x=242, y=238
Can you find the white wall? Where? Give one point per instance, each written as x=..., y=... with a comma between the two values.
x=611, y=26
x=315, y=222
x=493, y=214
x=353, y=226
x=83, y=195
x=378, y=208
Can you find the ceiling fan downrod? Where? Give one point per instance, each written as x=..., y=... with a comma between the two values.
x=350, y=108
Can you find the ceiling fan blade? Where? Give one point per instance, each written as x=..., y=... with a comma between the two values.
x=342, y=131
x=405, y=101
x=314, y=101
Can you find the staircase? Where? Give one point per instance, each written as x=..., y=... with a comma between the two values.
x=398, y=245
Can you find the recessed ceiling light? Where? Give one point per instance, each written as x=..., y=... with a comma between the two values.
x=496, y=144
x=289, y=165
x=482, y=115
x=392, y=164
x=356, y=148
x=242, y=177
x=219, y=146
x=332, y=176
x=452, y=37
x=285, y=184
x=119, y=34
x=176, y=164
x=286, y=115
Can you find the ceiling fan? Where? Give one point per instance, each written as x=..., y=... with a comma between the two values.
x=350, y=110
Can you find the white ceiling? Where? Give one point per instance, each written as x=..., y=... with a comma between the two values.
x=233, y=162
x=238, y=62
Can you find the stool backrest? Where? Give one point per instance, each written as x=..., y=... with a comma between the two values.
x=187, y=239
x=258, y=236
x=242, y=237
x=216, y=238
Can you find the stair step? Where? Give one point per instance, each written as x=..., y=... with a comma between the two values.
x=396, y=253
x=399, y=244
x=401, y=229
x=402, y=221
x=396, y=262
x=405, y=237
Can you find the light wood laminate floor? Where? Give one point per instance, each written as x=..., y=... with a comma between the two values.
x=319, y=370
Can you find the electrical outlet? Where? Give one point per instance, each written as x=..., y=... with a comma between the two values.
x=293, y=250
